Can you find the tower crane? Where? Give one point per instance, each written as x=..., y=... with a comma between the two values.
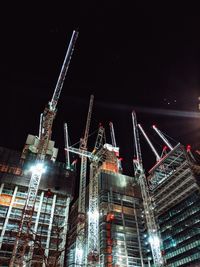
x=93, y=212
x=154, y=239
x=81, y=236
x=23, y=235
x=93, y=218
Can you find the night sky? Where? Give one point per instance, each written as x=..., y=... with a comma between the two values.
x=144, y=57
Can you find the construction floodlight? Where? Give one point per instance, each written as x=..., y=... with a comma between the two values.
x=38, y=168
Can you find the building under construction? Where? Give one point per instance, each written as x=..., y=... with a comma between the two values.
x=49, y=221
x=174, y=191
x=121, y=229
x=120, y=223
x=174, y=183
x=120, y=234
x=117, y=220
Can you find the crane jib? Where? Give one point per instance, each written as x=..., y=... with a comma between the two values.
x=63, y=72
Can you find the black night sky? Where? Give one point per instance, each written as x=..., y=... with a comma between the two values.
x=143, y=57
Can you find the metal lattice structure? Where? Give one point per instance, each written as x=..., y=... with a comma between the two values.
x=154, y=239
x=23, y=236
x=81, y=238
x=93, y=213
x=92, y=240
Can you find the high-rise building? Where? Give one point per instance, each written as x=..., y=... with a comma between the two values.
x=47, y=233
x=174, y=184
x=121, y=230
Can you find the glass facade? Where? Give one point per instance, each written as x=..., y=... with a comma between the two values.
x=124, y=232
x=176, y=196
x=180, y=231
x=122, y=236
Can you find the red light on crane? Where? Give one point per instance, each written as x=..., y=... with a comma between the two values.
x=165, y=148
x=188, y=148
x=74, y=161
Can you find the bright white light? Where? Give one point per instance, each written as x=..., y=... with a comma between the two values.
x=93, y=215
x=123, y=181
x=38, y=168
x=79, y=252
x=154, y=241
x=119, y=250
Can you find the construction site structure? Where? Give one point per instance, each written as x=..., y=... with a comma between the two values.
x=50, y=217
x=174, y=183
x=22, y=241
x=114, y=213
x=67, y=157
x=153, y=234
x=81, y=233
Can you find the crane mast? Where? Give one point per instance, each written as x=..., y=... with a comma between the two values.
x=154, y=239
x=81, y=236
x=23, y=235
x=93, y=213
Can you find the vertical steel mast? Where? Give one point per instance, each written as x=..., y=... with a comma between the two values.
x=80, y=252
x=23, y=235
x=148, y=208
x=93, y=212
